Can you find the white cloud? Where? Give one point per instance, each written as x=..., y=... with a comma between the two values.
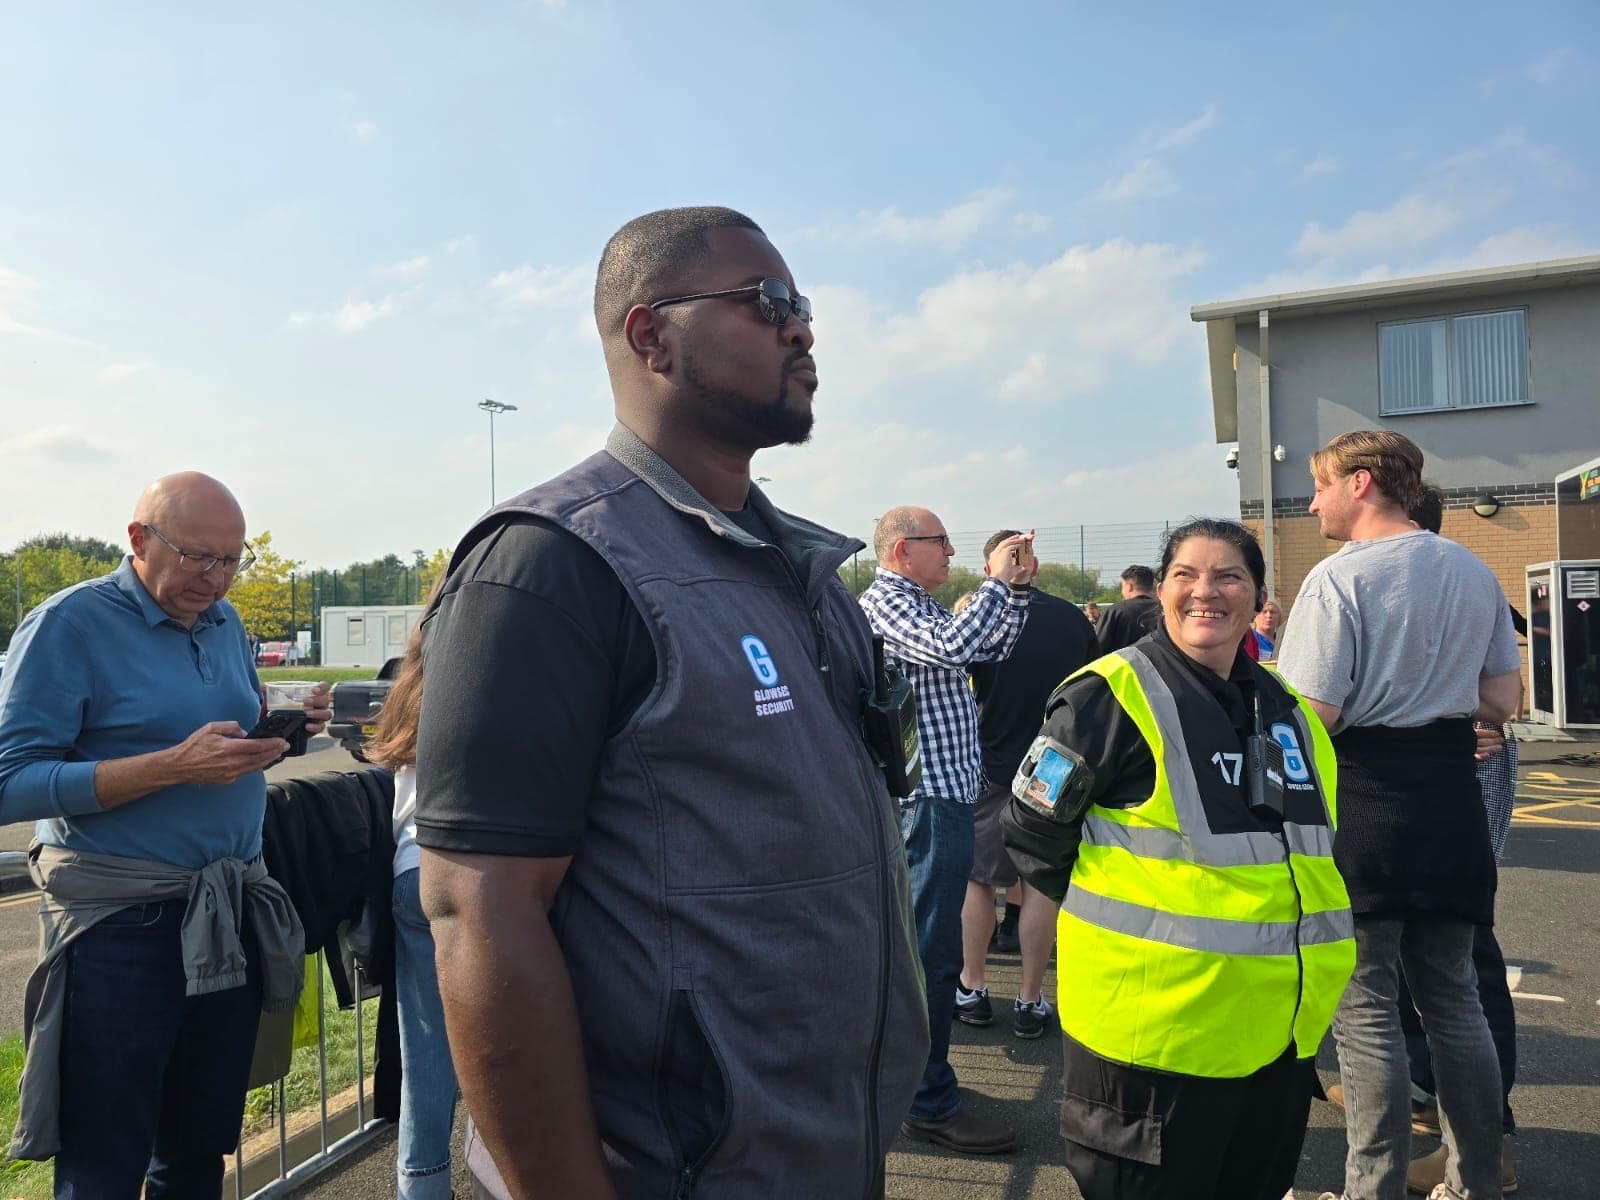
x=353, y=315
x=1146, y=180
x=456, y=245
x=1522, y=244
x=1414, y=218
x=1322, y=164
x=17, y=294
x=120, y=372
x=56, y=443
x=1187, y=132
x=363, y=129
x=16, y=281
x=529, y=286
x=1031, y=222
x=405, y=268
x=950, y=228
x=1553, y=66
x=1020, y=334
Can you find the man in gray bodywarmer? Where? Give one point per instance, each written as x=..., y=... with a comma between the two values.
x=662, y=867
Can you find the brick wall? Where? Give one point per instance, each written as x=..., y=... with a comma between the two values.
x=1508, y=541
x=1514, y=537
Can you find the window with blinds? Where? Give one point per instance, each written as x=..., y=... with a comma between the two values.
x=1476, y=360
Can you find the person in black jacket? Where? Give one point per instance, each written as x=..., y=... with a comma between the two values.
x=1136, y=614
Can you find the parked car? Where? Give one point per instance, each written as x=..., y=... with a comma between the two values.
x=272, y=654
x=356, y=705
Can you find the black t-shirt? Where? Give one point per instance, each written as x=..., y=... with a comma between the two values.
x=1125, y=622
x=1054, y=643
x=536, y=655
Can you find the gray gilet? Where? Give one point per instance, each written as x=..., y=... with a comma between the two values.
x=736, y=921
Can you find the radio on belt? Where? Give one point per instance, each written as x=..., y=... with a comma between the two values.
x=1054, y=780
x=889, y=723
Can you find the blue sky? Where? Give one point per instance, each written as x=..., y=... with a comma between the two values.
x=294, y=244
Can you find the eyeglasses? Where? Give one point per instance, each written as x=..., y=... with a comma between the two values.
x=199, y=564
x=777, y=302
x=943, y=538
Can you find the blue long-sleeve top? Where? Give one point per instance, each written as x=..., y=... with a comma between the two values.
x=100, y=672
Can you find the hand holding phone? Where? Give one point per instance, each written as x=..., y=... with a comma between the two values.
x=286, y=723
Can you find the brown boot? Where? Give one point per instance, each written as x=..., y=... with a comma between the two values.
x=1426, y=1173
x=963, y=1131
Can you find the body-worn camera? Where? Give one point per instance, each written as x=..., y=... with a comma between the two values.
x=1054, y=780
x=889, y=723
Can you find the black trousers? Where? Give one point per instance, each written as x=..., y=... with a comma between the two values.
x=1494, y=993
x=1135, y=1134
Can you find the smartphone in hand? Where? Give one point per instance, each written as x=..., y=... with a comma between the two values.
x=286, y=723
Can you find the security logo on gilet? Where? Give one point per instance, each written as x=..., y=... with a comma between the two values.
x=771, y=697
x=1294, y=760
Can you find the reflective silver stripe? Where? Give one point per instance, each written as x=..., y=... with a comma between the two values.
x=1229, y=850
x=1319, y=929
x=1204, y=847
x=1192, y=933
x=1314, y=841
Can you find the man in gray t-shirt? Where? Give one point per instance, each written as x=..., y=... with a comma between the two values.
x=1390, y=631
x=1399, y=641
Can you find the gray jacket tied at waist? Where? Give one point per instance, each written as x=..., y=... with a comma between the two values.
x=78, y=890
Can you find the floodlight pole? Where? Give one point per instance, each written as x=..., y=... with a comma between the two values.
x=492, y=407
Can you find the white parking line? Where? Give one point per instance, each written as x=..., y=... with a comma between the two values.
x=1514, y=980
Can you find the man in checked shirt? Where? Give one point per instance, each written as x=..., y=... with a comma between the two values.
x=934, y=648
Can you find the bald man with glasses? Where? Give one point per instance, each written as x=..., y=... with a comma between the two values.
x=934, y=648
x=124, y=713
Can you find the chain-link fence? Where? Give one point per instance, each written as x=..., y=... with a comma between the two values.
x=1094, y=555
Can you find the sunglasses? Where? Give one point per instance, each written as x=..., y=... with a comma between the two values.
x=778, y=304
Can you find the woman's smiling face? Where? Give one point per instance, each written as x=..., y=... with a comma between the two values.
x=1208, y=598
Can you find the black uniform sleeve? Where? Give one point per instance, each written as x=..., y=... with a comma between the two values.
x=1084, y=716
x=533, y=657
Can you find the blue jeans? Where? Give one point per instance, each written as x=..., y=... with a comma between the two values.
x=938, y=835
x=152, y=1080
x=428, y=1080
x=1437, y=956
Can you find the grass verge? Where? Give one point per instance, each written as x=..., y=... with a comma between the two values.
x=32, y=1180
x=315, y=674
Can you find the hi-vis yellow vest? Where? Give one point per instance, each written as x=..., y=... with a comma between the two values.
x=1193, y=952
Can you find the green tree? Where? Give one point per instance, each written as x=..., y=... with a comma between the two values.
x=262, y=593
x=1075, y=583
x=45, y=569
x=429, y=569
x=91, y=548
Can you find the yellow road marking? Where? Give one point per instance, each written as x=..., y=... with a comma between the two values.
x=1519, y=819
x=1548, y=775
x=20, y=898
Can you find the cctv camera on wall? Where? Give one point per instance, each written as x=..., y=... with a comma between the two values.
x=1233, y=459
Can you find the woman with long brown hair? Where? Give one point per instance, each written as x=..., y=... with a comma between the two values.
x=428, y=1080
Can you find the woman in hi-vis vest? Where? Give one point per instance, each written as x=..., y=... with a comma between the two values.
x=1179, y=803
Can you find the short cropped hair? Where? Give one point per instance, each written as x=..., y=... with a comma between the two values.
x=647, y=258
x=1143, y=578
x=892, y=526
x=1428, y=511
x=1394, y=461
x=996, y=538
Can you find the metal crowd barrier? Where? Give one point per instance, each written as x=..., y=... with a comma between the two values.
x=311, y=1156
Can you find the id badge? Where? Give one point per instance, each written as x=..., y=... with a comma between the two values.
x=1049, y=775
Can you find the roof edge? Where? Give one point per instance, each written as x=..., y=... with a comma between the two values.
x=1548, y=273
